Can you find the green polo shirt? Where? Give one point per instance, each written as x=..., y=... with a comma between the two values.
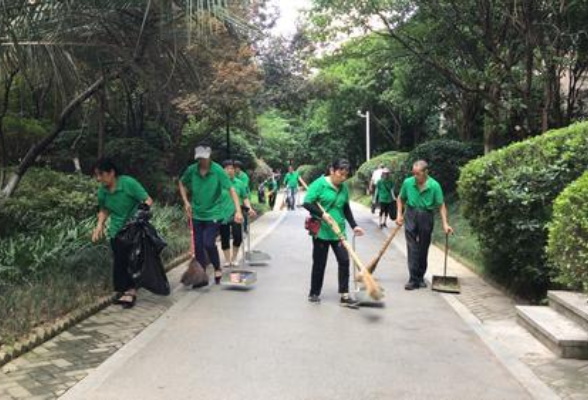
x=430, y=198
x=273, y=185
x=121, y=204
x=291, y=179
x=206, y=191
x=243, y=177
x=385, y=187
x=324, y=193
x=228, y=206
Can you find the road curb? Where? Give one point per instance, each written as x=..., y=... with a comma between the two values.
x=42, y=334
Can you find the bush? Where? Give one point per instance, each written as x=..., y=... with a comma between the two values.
x=311, y=172
x=21, y=134
x=44, y=197
x=445, y=158
x=568, y=235
x=392, y=160
x=508, y=195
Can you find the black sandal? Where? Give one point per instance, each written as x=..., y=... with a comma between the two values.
x=217, y=278
x=128, y=304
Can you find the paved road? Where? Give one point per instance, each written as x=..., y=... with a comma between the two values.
x=269, y=343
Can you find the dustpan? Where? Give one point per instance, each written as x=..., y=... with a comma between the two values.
x=255, y=257
x=446, y=284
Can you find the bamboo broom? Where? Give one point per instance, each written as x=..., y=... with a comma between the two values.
x=372, y=287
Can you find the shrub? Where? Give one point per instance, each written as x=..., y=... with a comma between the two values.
x=311, y=172
x=568, y=235
x=507, y=196
x=44, y=197
x=392, y=160
x=445, y=158
x=21, y=134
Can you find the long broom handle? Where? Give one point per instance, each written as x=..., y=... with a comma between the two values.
x=374, y=263
x=192, y=247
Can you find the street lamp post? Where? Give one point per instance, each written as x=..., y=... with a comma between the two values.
x=367, y=133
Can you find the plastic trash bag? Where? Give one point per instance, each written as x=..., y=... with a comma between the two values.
x=144, y=247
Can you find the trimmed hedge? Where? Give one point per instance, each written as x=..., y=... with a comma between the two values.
x=508, y=195
x=392, y=160
x=568, y=235
x=445, y=158
x=311, y=172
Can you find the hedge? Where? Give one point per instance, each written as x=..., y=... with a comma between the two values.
x=568, y=235
x=507, y=196
x=392, y=160
x=445, y=158
x=311, y=172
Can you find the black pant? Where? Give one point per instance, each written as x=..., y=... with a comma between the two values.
x=418, y=228
x=121, y=277
x=388, y=210
x=225, y=233
x=320, y=253
x=272, y=200
x=205, y=233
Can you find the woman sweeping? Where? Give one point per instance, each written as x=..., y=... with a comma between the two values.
x=119, y=198
x=332, y=193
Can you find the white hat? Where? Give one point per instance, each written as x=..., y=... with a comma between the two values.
x=202, y=152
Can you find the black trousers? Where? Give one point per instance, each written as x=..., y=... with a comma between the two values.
x=388, y=209
x=121, y=277
x=418, y=228
x=225, y=232
x=320, y=253
x=272, y=200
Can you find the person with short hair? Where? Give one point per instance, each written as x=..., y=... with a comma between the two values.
x=206, y=181
x=292, y=182
x=241, y=175
x=273, y=186
x=332, y=193
x=422, y=195
x=386, y=197
x=229, y=227
x=119, y=198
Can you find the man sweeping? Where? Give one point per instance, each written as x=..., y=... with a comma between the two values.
x=421, y=195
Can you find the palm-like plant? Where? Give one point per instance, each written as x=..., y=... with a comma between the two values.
x=79, y=46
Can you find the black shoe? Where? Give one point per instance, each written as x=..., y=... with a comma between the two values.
x=349, y=302
x=200, y=285
x=411, y=286
x=313, y=298
x=129, y=304
x=422, y=285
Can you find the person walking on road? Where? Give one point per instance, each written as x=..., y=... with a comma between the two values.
x=242, y=175
x=292, y=182
x=119, y=198
x=422, y=195
x=386, y=197
x=373, y=186
x=206, y=181
x=273, y=186
x=229, y=227
x=332, y=193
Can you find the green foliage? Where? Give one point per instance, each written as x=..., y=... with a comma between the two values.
x=311, y=172
x=137, y=158
x=392, y=160
x=21, y=134
x=278, y=140
x=568, y=235
x=46, y=196
x=445, y=158
x=508, y=195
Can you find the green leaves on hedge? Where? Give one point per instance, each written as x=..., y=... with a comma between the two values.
x=568, y=235
x=508, y=196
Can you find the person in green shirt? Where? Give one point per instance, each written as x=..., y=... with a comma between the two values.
x=422, y=195
x=119, y=198
x=242, y=175
x=273, y=186
x=206, y=182
x=291, y=181
x=385, y=197
x=332, y=193
x=229, y=226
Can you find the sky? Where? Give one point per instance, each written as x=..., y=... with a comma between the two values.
x=289, y=12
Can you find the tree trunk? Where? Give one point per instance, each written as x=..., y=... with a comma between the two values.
x=3, y=151
x=36, y=150
x=101, y=122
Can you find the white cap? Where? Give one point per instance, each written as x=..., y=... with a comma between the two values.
x=202, y=152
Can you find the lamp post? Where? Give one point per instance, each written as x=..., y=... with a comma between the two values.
x=367, y=133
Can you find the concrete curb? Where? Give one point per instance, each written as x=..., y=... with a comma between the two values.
x=42, y=334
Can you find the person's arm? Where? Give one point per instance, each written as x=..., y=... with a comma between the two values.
x=99, y=230
x=443, y=211
x=399, y=211
x=313, y=209
x=238, y=214
x=184, y=195
x=247, y=204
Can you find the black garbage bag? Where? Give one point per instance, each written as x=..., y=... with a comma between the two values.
x=144, y=247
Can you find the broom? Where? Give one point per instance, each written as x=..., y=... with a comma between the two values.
x=374, y=263
x=372, y=287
